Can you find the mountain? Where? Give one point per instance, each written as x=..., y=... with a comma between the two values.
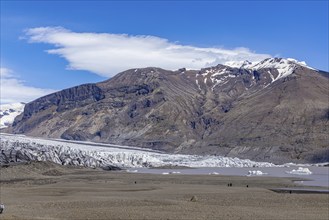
x=8, y=112
x=275, y=110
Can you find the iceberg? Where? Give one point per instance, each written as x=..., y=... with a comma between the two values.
x=300, y=171
x=255, y=173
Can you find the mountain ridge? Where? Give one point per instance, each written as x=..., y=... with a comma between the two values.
x=276, y=111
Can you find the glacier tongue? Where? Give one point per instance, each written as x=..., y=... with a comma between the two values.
x=17, y=148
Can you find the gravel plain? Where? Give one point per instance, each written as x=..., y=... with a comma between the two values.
x=41, y=190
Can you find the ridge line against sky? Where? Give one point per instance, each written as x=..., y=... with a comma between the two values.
x=48, y=46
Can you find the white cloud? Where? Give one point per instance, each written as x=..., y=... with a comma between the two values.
x=107, y=54
x=12, y=89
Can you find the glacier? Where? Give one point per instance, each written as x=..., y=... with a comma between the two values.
x=8, y=113
x=20, y=148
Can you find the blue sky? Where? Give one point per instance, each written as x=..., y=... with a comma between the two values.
x=87, y=45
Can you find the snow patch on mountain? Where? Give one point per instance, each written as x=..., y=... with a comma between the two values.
x=277, y=68
x=8, y=113
x=239, y=64
x=18, y=148
x=285, y=67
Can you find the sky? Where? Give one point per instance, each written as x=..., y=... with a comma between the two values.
x=48, y=46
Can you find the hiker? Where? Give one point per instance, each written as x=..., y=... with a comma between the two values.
x=2, y=207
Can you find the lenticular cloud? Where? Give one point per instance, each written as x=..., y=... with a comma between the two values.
x=12, y=89
x=107, y=54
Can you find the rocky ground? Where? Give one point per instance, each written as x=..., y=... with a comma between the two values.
x=40, y=190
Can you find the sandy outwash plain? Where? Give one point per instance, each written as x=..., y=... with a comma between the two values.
x=41, y=190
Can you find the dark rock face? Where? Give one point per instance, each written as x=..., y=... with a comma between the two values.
x=247, y=113
x=60, y=101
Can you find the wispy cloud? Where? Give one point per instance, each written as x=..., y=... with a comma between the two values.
x=12, y=89
x=107, y=54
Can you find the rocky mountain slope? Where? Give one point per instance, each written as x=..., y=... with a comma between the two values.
x=275, y=110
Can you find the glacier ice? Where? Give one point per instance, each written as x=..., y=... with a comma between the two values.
x=255, y=173
x=18, y=148
x=8, y=113
x=300, y=171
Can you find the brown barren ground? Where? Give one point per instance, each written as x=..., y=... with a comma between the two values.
x=41, y=190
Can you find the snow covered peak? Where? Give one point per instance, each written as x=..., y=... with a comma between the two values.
x=238, y=64
x=277, y=63
x=296, y=61
x=8, y=113
x=285, y=66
